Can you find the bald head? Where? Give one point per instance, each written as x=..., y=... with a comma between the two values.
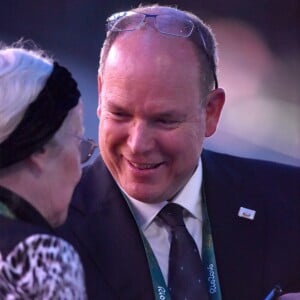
x=168, y=24
x=150, y=54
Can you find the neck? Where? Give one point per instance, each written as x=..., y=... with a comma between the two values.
x=29, y=188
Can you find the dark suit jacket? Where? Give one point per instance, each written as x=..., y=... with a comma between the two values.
x=252, y=256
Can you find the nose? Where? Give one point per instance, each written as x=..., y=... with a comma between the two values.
x=140, y=138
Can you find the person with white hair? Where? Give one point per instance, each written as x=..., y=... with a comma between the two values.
x=41, y=151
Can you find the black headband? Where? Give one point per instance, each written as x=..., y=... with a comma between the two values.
x=42, y=118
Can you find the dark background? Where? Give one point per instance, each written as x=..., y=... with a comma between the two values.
x=72, y=32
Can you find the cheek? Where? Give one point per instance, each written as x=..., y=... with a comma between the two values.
x=111, y=134
x=183, y=149
x=73, y=165
x=183, y=140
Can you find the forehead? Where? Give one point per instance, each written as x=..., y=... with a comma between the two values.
x=148, y=50
x=146, y=65
x=151, y=63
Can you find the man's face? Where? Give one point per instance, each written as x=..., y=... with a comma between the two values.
x=152, y=124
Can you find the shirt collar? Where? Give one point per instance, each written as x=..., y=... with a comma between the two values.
x=189, y=198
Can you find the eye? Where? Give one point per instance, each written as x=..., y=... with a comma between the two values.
x=120, y=115
x=168, y=123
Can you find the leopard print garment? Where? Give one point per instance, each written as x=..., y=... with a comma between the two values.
x=42, y=267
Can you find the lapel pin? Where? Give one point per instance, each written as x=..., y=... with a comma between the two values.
x=246, y=213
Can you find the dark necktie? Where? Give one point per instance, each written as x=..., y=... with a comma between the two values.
x=186, y=275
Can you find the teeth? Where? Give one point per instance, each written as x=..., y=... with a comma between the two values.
x=143, y=166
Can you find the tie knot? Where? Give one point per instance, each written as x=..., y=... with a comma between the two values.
x=172, y=214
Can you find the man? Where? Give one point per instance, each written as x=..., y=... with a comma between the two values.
x=158, y=100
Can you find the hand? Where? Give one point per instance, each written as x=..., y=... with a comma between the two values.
x=291, y=296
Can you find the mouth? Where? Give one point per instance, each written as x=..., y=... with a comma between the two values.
x=144, y=166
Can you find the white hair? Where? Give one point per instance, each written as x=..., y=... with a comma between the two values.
x=23, y=74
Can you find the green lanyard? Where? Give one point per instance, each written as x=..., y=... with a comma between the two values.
x=160, y=288
x=208, y=256
x=161, y=291
x=5, y=211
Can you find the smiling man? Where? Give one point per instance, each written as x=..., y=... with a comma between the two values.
x=157, y=216
x=149, y=112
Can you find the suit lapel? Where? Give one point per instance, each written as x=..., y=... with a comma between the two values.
x=238, y=242
x=110, y=236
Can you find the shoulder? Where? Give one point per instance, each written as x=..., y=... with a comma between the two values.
x=94, y=188
x=13, y=231
x=214, y=161
x=60, y=273
x=249, y=181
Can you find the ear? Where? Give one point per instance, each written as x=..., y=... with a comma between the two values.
x=99, y=96
x=215, y=102
x=37, y=161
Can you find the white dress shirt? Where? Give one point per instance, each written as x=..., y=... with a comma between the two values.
x=157, y=233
